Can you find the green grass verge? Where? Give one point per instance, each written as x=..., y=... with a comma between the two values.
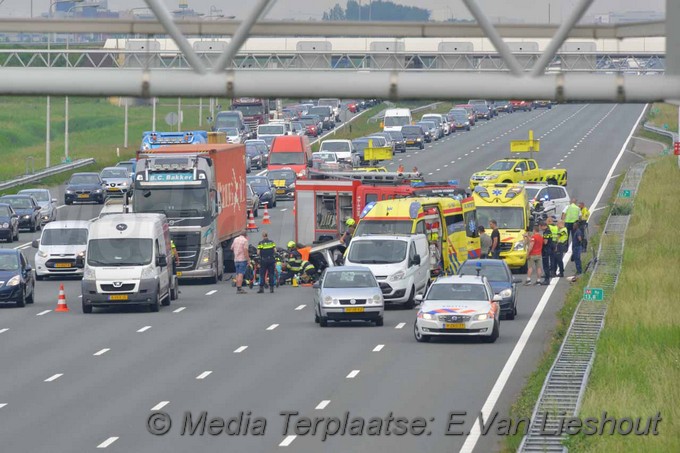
x=637, y=362
x=524, y=405
x=664, y=115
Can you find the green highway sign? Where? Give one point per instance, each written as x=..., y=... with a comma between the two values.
x=593, y=294
x=625, y=193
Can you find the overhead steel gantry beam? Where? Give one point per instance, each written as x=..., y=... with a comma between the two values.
x=225, y=80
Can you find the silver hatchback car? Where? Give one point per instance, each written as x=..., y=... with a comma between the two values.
x=348, y=293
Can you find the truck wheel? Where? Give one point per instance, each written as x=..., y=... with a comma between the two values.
x=420, y=337
x=87, y=308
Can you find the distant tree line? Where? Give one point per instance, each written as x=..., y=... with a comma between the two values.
x=376, y=10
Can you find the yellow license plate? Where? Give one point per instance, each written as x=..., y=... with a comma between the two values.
x=118, y=297
x=354, y=310
x=62, y=265
x=179, y=274
x=456, y=325
x=83, y=195
x=279, y=182
x=410, y=142
x=279, y=191
x=113, y=189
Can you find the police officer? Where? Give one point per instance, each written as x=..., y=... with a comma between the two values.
x=293, y=263
x=562, y=246
x=546, y=251
x=349, y=232
x=266, y=250
x=554, y=234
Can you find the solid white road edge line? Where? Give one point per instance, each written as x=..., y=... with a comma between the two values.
x=322, y=405
x=504, y=376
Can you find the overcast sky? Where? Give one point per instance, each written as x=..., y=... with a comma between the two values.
x=531, y=11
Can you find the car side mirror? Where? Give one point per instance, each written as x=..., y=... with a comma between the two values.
x=416, y=260
x=161, y=261
x=517, y=170
x=28, y=268
x=316, y=285
x=497, y=298
x=419, y=298
x=35, y=244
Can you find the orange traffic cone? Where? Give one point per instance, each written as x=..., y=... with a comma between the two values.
x=251, y=223
x=265, y=216
x=61, y=302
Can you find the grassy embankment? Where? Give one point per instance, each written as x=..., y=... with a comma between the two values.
x=637, y=362
x=661, y=115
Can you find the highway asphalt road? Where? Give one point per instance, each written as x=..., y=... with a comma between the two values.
x=75, y=382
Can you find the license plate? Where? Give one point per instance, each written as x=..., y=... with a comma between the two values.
x=455, y=325
x=279, y=182
x=354, y=310
x=280, y=191
x=113, y=189
x=118, y=297
x=179, y=274
x=83, y=195
x=410, y=142
x=62, y=265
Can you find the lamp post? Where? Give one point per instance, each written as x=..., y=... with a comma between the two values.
x=49, y=64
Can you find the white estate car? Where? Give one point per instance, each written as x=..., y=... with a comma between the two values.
x=462, y=305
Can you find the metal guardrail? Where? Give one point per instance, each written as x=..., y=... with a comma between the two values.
x=565, y=384
x=661, y=131
x=51, y=171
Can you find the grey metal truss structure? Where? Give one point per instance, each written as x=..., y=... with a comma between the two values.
x=551, y=74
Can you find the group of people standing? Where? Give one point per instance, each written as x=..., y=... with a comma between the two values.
x=547, y=244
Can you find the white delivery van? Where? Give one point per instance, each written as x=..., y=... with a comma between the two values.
x=399, y=263
x=129, y=261
x=394, y=119
x=341, y=148
x=59, y=246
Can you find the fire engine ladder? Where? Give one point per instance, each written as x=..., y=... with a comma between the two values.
x=368, y=177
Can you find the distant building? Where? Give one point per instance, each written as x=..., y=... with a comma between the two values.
x=626, y=17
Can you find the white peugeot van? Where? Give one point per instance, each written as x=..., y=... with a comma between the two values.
x=399, y=263
x=129, y=262
x=60, y=244
x=394, y=119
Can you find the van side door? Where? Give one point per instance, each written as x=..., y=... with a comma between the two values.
x=163, y=271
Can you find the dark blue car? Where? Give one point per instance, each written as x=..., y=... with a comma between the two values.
x=16, y=278
x=26, y=208
x=85, y=187
x=9, y=223
x=501, y=280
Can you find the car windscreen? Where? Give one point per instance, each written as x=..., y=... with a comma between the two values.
x=64, y=236
x=507, y=218
x=367, y=226
x=230, y=131
x=172, y=201
x=84, y=179
x=335, y=146
x=377, y=251
x=252, y=150
x=297, y=125
x=275, y=175
x=249, y=110
x=226, y=121
x=4, y=211
x=323, y=112
x=460, y=115
x=349, y=279
x=411, y=130
x=271, y=129
x=495, y=273
x=18, y=203
x=119, y=252
x=9, y=262
x=326, y=157
x=287, y=158
x=392, y=121
x=396, y=135
x=39, y=195
x=259, y=182
x=501, y=165
x=531, y=192
x=457, y=291
x=434, y=119
x=122, y=173
x=428, y=124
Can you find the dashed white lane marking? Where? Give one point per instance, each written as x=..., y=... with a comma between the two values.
x=322, y=405
x=300, y=307
x=43, y=312
x=287, y=441
x=400, y=325
x=460, y=158
x=284, y=209
x=352, y=374
x=144, y=329
x=378, y=348
x=4, y=330
x=439, y=169
x=2, y=405
x=160, y=405
x=446, y=165
x=272, y=327
x=240, y=349
x=210, y=293
x=179, y=310
x=429, y=174
x=54, y=377
x=102, y=351
x=107, y=442
x=204, y=375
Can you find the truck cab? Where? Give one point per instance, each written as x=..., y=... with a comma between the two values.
x=129, y=261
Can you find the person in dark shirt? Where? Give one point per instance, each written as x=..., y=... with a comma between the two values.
x=495, y=250
x=546, y=251
x=576, y=246
x=267, y=249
